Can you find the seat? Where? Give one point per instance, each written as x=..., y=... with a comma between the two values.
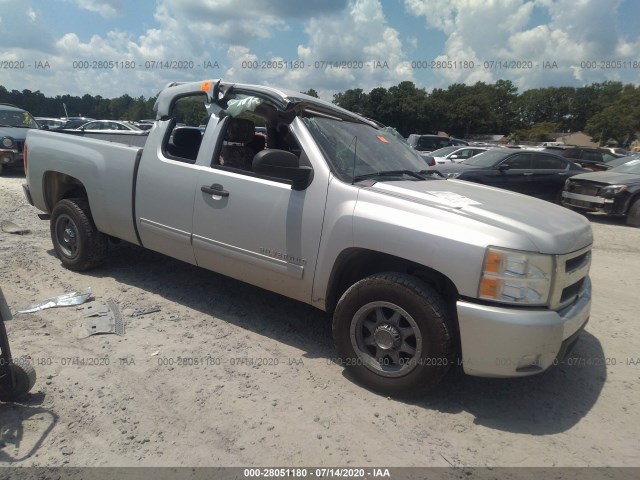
x=236, y=151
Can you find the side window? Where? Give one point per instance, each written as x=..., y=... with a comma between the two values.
x=519, y=162
x=547, y=162
x=607, y=157
x=242, y=141
x=591, y=155
x=425, y=142
x=572, y=153
x=183, y=141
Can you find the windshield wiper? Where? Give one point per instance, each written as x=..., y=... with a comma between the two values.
x=389, y=173
x=432, y=172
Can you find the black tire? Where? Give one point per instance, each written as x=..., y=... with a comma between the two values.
x=633, y=215
x=392, y=333
x=76, y=240
x=25, y=377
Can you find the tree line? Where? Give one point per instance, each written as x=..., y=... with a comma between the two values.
x=606, y=111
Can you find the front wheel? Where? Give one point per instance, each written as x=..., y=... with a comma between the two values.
x=77, y=242
x=392, y=333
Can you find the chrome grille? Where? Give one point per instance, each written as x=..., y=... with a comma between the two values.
x=572, y=270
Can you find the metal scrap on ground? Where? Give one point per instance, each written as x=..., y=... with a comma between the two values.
x=103, y=318
x=64, y=300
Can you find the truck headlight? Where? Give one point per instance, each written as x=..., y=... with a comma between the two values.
x=7, y=142
x=611, y=190
x=512, y=276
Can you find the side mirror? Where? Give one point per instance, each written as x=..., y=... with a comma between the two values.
x=454, y=157
x=504, y=167
x=284, y=165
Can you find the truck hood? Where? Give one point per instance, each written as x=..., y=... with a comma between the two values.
x=610, y=178
x=550, y=228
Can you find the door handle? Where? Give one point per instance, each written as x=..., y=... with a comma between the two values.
x=528, y=173
x=215, y=189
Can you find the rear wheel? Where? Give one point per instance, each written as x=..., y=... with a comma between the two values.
x=77, y=242
x=633, y=216
x=392, y=334
x=25, y=379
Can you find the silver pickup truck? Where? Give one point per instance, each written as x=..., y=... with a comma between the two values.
x=300, y=197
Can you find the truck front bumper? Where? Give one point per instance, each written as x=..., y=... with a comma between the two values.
x=515, y=342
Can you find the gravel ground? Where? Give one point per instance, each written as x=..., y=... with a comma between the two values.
x=225, y=374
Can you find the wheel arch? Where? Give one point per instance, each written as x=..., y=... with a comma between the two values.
x=354, y=264
x=58, y=186
x=633, y=198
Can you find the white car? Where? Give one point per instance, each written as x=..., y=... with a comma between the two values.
x=110, y=126
x=454, y=154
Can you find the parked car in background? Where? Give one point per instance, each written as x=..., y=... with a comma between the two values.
x=14, y=125
x=594, y=159
x=71, y=123
x=614, y=192
x=617, y=150
x=429, y=143
x=110, y=126
x=616, y=162
x=144, y=124
x=453, y=154
x=50, y=123
x=530, y=172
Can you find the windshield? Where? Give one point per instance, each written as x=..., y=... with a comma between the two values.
x=443, y=152
x=17, y=118
x=356, y=149
x=616, y=162
x=487, y=159
x=632, y=166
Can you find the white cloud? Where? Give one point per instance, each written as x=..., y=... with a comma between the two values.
x=32, y=15
x=480, y=30
x=360, y=37
x=105, y=8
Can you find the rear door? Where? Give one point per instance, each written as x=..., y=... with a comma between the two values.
x=549, y=175
x=166, y=183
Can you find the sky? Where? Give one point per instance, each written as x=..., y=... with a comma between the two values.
x=113, y=47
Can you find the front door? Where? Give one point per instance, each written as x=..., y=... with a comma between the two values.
x=259, y=230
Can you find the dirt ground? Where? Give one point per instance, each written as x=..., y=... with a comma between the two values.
x=225, y=374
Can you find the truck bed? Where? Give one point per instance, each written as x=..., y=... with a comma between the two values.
x=133, y=140
x=106, y=170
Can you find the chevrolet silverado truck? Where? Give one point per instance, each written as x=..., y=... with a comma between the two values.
x=327, y=207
